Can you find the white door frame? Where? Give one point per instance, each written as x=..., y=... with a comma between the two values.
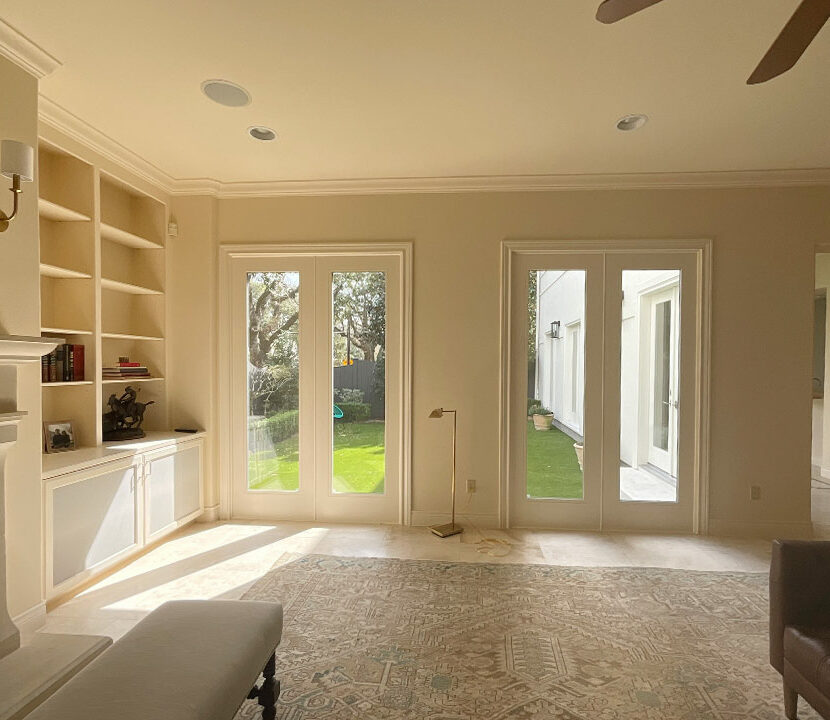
x=402, y=252
x=703, y=250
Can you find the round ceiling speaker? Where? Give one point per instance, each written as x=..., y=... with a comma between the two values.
x=260, y=132
x=226, y=93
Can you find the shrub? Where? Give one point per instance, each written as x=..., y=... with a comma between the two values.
x=538, y=409
x=348, y=395
x=354, y=412
x=280, y=426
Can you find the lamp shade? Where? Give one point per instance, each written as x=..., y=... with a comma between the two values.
x=17, y=158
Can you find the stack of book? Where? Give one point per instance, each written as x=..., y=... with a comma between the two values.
x=126, y=371
x=64, y=364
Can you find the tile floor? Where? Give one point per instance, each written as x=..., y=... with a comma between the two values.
x=222, y=560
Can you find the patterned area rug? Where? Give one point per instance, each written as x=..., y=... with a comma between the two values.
x=377, y=639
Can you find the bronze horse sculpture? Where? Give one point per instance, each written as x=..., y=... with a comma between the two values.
x=125, y=416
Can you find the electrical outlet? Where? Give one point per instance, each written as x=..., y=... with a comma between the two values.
x=471, y=485
x=755, y=492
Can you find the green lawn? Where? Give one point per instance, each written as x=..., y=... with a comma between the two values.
x=552, y=468
x=359, y=461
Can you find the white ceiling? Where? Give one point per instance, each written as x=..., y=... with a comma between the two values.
x=360, y=89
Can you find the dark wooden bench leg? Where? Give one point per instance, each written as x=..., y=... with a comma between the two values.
x=790, y=702
x=269, y=691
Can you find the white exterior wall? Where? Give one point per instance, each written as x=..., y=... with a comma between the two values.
x=561, y=296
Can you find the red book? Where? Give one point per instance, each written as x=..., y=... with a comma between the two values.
x=79, y=364
x=128, y=364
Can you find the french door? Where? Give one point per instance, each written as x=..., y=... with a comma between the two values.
x=604, y=389
x=664, y=349
x=316, y=398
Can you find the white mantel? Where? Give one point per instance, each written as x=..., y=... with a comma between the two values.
x=14, y=350
x=20, y=349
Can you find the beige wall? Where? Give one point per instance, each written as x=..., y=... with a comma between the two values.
x=191, y=329
x=20, y=315
x=761, y=317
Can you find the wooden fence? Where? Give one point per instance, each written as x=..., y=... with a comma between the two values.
x=360, y=375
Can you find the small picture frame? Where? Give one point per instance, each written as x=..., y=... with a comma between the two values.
x=58, y=436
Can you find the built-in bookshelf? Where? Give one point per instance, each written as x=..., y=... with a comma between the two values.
x=102, y=289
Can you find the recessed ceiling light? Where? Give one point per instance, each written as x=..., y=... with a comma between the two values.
x=631, y=122
x=260, y=132
x=226, y=93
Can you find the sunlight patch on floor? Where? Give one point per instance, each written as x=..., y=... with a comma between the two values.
x=179, y=549
x=222, y=578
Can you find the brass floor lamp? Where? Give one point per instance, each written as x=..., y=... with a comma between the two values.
x=449, y=528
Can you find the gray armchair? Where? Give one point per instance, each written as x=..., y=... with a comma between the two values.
x=799, y=598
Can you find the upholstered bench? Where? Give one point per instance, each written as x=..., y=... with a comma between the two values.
x=187, y=660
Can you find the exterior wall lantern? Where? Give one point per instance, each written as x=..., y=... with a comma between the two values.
x=553, y=333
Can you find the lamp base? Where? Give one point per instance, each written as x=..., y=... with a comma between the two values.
x=447, y=530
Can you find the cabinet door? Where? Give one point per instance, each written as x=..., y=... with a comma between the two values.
x=92, y=521
x=173, y=487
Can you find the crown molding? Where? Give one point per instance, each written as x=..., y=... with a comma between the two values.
x=511, y=183
x=58, y=117
x=25, y=53
x=61, y=119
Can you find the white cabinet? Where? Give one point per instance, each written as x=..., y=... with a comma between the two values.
x=172, y=488
x=97, y=516
x=94, y=517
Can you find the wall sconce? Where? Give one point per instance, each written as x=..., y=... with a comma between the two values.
x=553, y=333
x=17, y=162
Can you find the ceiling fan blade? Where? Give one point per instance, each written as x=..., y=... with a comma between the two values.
x=794, y=39
x=610, y=11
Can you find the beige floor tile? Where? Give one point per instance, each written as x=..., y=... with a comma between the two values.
x=221, y=560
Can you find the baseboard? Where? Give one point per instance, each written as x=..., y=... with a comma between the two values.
x=31, y=619
x=423, y=518
x=769, y=531
x=209, y=515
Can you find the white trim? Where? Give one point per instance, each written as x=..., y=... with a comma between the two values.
x=209, y=515
x=507, y=183
x=509, y=248
x=767, y=530
x=58, y=117
x=26, y=53
x=31, y=619
x=424, y=518
x=229, y=251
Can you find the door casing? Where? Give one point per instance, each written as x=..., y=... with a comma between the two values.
x=699, y=416
x=401, y=252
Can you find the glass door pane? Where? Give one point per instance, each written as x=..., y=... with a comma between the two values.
x=556, y=384
x=648, y=382
x=273, y=380
x=358, y=307
x=555, y=396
